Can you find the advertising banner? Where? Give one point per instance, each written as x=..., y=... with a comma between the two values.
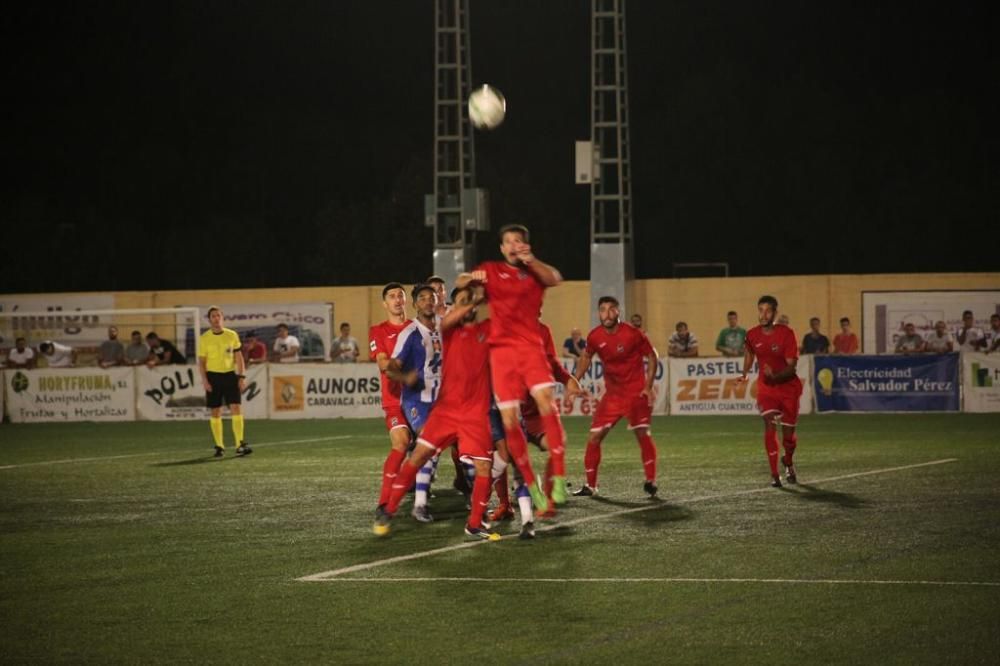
x=982, y=382
x=886, y=312
x=593, y=382
x=175, y=393
x=311, y=323
x=70, y=394
x=325, y=391
x=712, y=386
x=926, y=383
x=61, y=325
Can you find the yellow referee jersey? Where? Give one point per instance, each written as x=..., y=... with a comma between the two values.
x=219, y=350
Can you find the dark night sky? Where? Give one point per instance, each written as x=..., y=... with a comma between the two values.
x=209, y=144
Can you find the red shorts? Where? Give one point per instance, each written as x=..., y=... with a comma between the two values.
x=516, y=371
x=611, y=408
x=471, y=431
x=394, y=418
x=783, y=403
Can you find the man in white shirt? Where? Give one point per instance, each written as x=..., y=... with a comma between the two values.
x=969, y=336
x=682, y=343
x=57, y=355
x=21, y=356
x=992, y=337
x=940, y=341
x=345, y=348
x=286, y=347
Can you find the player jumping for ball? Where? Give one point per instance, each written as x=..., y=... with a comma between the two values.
x=778, y=386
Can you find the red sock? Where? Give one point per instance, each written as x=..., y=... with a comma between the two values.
x=404, y=481
x=789, y=442
x=518, y=447
x=389, y=471
x=771, y=445
x=648, y=450
x=480, y=498
x=502, y=489
x=555, y=438
x=591, y=461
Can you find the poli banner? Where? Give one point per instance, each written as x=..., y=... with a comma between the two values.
x=711, y=386
x=325, y=391
x=887, y=383
x=70, y=394
x=593, y=382
x=982, y=382
x=175, y=393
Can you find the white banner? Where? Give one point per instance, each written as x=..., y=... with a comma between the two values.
x=70, y=394
x=62, y=325
x=311, y=323
x=175, y=393
x=886, y=312
x=325, y=391
x=981, y=383
x=710, y=386
x=593, y=381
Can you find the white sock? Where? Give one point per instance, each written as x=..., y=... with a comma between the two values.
x=424, y=482
x=499, y=465
x=524, y=504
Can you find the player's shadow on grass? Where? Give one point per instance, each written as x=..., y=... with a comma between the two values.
x=625, y=505
x=190, y=461
x=824, y=495
x=663, y=515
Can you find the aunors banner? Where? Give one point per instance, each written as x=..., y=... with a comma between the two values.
x=982, y=382
x=325, y=391
x=712, y=386
x=70, y=394
x=175, y=393
x=925, y=383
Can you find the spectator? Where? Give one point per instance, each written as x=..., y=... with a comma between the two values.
x=21, y=356
x=731, y=338
x=992, y=337
x=682, y=343
x=814, y=342
x=940, y=341
x=575, y=343
x=345, y=348
x=286, y=347
x=111, y=352
x=969, y=336
x=57, y=355
x=253, y=350
x=910, y=342
x=845, y=342
x=636, y=320
x=137, y=352
x=163, y=352
x=784, y=320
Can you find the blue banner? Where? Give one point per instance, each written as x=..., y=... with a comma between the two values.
x=926, y=383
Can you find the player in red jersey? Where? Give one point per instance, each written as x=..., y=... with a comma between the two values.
x=459, y=414
x=630, y=364
x=778, y=385
x=381, y=340
x=515, y=288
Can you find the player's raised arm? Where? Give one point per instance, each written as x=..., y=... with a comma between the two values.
x=546, y=274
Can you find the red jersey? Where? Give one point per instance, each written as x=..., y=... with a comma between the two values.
x=771, y=351
x=465, y=375
x=382, y=340
x=254, y=352
x=560, y=373
x=515, y=298
x=845, y=344
x=622, y=353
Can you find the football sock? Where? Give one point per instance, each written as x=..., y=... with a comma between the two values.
x=390, y=468
x=424, y=477
x=401, y=484
x=547, y=484
x=591, y=461
x=555, y=438
x=480, y=498
x=518, y=447
x=771, y=445
x=524, y=503
x=500, y=486
x=470, y=473
x=648, y=450
x=215, y=423
x=789, y=442
x=499, y=466
x=238, y=428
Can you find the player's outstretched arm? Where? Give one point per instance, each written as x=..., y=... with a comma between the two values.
x=546, y=274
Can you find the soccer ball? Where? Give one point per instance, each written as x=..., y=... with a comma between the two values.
x=487, y=107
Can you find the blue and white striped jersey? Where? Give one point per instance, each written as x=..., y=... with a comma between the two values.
x=418, y=347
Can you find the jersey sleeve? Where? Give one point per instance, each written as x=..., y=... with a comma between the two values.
x=591, y=347
x=373, y=343
x=791, y=348
x=644, y=346
x=237, y=343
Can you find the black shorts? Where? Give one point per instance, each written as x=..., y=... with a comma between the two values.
x=225, y=386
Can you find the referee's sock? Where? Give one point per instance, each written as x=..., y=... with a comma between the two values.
x=238, y=428
x=215, y=422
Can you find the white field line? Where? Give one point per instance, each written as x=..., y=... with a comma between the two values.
x=325, y=576
x=68, y=461
x=763, y=581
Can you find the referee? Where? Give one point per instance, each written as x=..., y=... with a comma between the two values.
x=222, y=374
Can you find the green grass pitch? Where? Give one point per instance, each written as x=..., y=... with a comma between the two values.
x=129, y=543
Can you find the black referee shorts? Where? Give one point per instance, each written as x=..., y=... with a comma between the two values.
x=225, y=387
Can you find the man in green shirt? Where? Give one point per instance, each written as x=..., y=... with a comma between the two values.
x=730, y=340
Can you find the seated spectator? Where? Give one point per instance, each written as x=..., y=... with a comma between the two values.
x=21, y=356
x=992, y=337
x=286, y=347
x=57, y=355
x=111, y=352
x=814, y=342
x=731, y=338
x=940, y=341
x=909, y=342
x=845, y=342
x=253, y=350
x=636, y=320
x=682, y=343
x=163, y=352
x=575, y=343
x=137, y=352
x=345, y=348
x=969, y=336
x=784, y=320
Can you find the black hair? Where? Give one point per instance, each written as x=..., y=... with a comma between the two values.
x=421, y=287
x=768, y=299
x=347, y=324
x=967, y=312
x=732, y=313
x=44, y=347
x=389, y=287
x=843, y=319
x=435, y=278
x=812, y=319
x=607, y=299
x=282, y=325
x=214, y=307
x=456, y=291
x=519, y=228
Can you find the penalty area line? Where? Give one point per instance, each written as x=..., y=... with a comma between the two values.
x=326, y=576
x=762, y=581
